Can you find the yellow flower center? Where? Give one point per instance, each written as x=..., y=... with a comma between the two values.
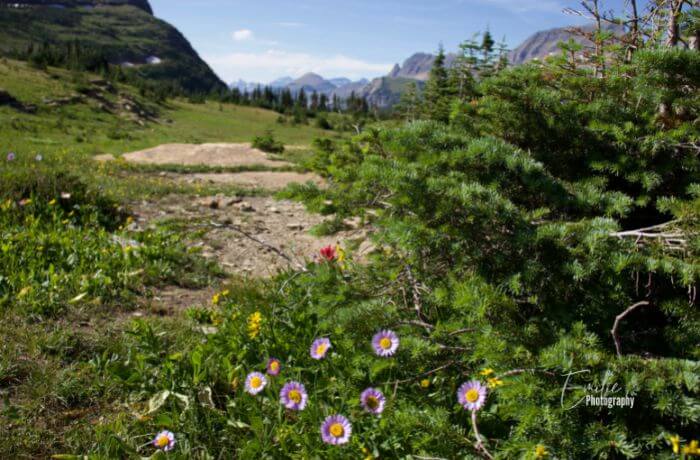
x=425, y=383
x=321, y=349
x=256, y=382
x=295, y=395
x=274, y=366
x=472, y=395
x=337, y=430
x=372, y=402
x=162, y=441
x=385, y=343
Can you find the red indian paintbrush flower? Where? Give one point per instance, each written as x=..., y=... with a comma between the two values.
x=329, y=253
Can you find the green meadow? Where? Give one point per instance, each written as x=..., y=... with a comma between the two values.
x=84, y=128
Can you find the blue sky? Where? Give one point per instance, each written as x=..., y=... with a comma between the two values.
x=266, y=39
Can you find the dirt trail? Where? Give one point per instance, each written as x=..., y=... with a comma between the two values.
x=205, y=154
x=246, y=235
x=239, y=231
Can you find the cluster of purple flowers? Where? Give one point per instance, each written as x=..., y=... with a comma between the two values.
x=337, y=429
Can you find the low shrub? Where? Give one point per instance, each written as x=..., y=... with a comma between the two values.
x=268, y=143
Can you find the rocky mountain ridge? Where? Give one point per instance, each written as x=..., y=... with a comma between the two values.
x=124, y=32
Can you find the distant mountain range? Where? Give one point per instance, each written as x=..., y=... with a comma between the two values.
x=386, y=91
x=546, y=43
x=310, y=83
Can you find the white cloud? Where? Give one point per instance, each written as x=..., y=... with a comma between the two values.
x=242, y=35
x=273, y=63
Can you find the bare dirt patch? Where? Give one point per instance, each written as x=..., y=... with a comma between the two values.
x=239, y=232
x=205, y=154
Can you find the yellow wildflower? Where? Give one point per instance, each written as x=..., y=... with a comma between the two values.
x=254, y=322
x=692, y=449
x=541, y=451
x=425, y=383
x=495, y=382
x=341, y=253
x=219, y=295
x=486, y=372
x=676, y=444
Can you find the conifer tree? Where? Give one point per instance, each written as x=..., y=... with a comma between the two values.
x=409, y=105
x=438, y=91
x=323, y=103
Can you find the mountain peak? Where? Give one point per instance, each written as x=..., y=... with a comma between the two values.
x=395, y=71
x=310, y=79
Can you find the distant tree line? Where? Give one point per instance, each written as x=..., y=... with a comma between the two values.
x=298, y=105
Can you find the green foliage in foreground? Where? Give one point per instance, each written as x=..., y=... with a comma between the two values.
x=501, y=256
x=64, y=243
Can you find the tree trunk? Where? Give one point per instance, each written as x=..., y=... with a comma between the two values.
x=634, y=44
x=673, y=32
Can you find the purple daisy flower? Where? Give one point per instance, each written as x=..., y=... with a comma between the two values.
x=336, y=429
x=165, y=441
x=373, y=401
x=320, y=347
x=11, y=156
x=472, y=395
x=274, y=367
x=255, y=383
x=385, y=343
x=293, y=396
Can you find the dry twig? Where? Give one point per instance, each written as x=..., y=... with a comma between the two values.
x=620, y=317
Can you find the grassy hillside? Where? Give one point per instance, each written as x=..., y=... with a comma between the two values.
x=72, y=273
x=73, y=112
x=122, y=32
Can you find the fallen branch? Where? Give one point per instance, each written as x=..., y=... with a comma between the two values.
x=274, y=249
x=672, y=239
x=422, y=324
x=417, y=301
x=424, y=374
x=620, y=317
x=522, y=371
